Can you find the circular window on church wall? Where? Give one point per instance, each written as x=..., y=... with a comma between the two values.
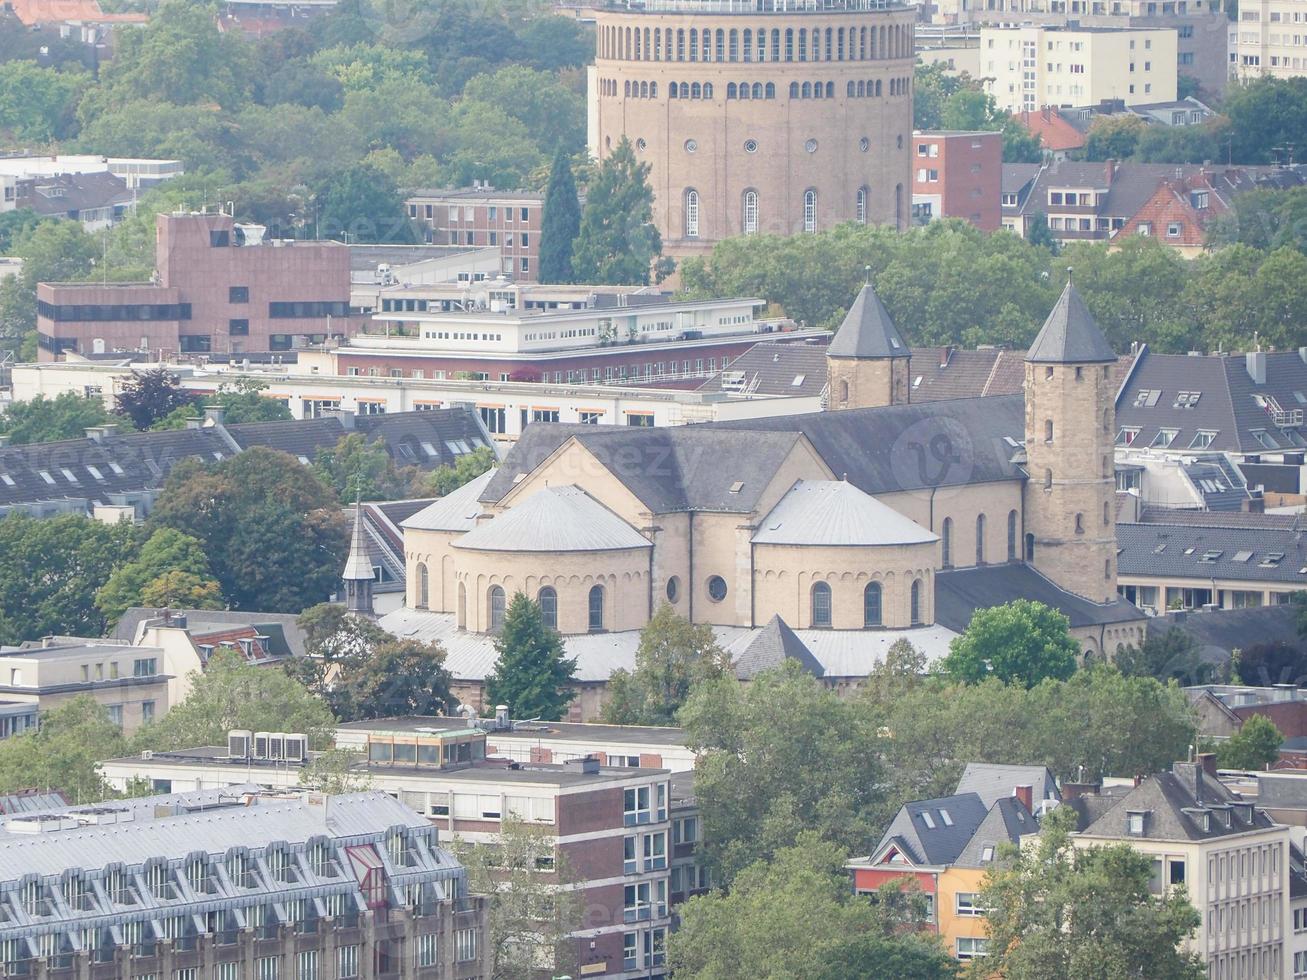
x=864, y=144
x=691, y=146
x=810, y=146
x=716, y=588
x=640, y=144
x=750, y=146
x=673, y=588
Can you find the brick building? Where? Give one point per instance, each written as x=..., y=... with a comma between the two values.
x=484, y=216
x=218, y=287
x=957, y=175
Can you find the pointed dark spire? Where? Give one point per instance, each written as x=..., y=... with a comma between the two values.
x=867, y=330
x=1070, y=335
x=358, y=574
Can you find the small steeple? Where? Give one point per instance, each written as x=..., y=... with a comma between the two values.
x=1070, y=335
x=867, y=331
x=358, y=575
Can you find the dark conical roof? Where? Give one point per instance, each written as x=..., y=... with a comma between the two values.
x=867, y=330
x=773, y=645
x=1070, y=335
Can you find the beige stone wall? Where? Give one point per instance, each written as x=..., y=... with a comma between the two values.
x=1070, y=497
x=433, y=550
x=868, y=383
x=778, y=147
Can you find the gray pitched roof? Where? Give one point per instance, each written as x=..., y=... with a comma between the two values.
x=1007, y=822
x=778, y=368
x=1070, y=335
x=927, y=836
x=960, y=592
x=993, y=781
x=555, y=519
x=1174, y=802
x=285, y=635
x=455, y=511
x=773, y=645
x=1208, y=548
x=1219, y=632
x=867, y=330
x=836, y=513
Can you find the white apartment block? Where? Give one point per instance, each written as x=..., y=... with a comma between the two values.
x=1270, y=39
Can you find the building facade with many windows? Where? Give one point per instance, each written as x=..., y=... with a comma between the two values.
x=485, y=217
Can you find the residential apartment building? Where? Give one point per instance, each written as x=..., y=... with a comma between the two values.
x=957, y=175
x=1270, y=39
x=217, y=287
x=483, y=216
x=236, y=884
x=608, y=826
x=1031, y=66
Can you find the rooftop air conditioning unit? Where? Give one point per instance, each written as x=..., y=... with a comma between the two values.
x=261, y=740
x=297, y=748
x=276, y=746
x=238, y=744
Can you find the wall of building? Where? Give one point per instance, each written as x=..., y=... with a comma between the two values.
x=959, y=175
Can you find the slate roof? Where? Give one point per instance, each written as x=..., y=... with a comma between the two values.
x=867, y=330
x=960, y=592
x=770, y=647
x=1007, y=822
x=837, y=514
x=777, y=368
x=1230, y=404
x=1206, y=549
x=1173, y=801
x=993, y=781
x=921, y=832
x=456, y=511
x=1219, y=632
x=1070, y=335
x=555, y=519
x=68, y=195
x=358, y=564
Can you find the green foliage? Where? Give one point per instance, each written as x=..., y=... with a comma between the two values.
x=1060, y=911
x=1113, y=137
x=674, y=657
x=165, y=551
x=41, y=419
x=552, y=115
x=244, y=401
x=1020, y=145
x=336, y=771
x=274, y=535
x=532, y=673
x=50, y=571
x=179, y=589
x=233, y=693
x=446, y=479
x=561, y=223
x=1020, y=642
x=37, y=103
x=931, y=88
x=150, y=396
x=359, y=470
x=1267, y=115
x=63, y=754
x=1039, y=234
x=617, y=243
x=1166, y=656
x=795, y=918
x=363, y=205
x=14, y=224
x=1265, y=219
x=1254, y=746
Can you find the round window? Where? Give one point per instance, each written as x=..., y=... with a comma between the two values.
x=810, y=146
x=691, y=146
x=673, y=588
x=750, y=146
x=864, y=144
x=716, y=588
x=640, y=144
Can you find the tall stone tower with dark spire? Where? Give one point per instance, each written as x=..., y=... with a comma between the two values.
x=358, y=575
x=867, y=362
x=1070, y=512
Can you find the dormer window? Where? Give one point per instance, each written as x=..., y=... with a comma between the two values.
x=1136, y=822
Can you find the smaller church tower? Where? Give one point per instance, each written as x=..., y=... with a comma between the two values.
x=358, y=574
x=867, y=362
x=1070, y=500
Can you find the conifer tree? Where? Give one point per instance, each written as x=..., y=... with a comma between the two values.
x=562, y=222
x=532, y=672
x=617, y=243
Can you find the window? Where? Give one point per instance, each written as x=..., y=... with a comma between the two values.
x=821, y=604
x=635, y=805
x=465, y=945
x=750, y=223
x=145, y=667
x=966, y=904
x=1164, y=438
x=1135, y=823
x=496, y=603
x=267, y=968
x=691, y=214
x=1012, y=535
x=673, y=589
x=810, y=210
x=946, y=542
x=969, y=947
x=980, y=539
x=871, y=605
x=716, y=588
x=238, y=294
x=238, y=328
x=548, y=600
x=1177, y=871
x=147, y=712
x=860, y=206
x=596, y=606
x=427, y=950
x=915, y=601
x=219, y=239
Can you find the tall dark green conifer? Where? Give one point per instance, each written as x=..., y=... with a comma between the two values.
x=562, y=222
x=618, y=241
x=532, y=672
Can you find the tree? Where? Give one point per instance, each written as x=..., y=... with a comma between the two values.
x=1113, y=137
x=1267, y=116
x=1254, y=746
x=363, y=205
x=1166, y=655
x=40, y=419
x=561, y=224
x=165, y=554
x=618, y=242
x=243, y=400
x=232, y=693
x=64, y=753
x=761, y=784
x=674, y=657
x=532, y=913
x=552, y=114
x=931, y=88
x=446, y=479
x=1020, y=145
x=1273, y=662
x=796, y=917
x=274, y=535
x=336, y=771
x=1039, y=234
x=37, y=103
x=1061, y=911
x=177, y=589
x=1020, y=642
x=532, y=673
x=149, y=396
x=359, y=470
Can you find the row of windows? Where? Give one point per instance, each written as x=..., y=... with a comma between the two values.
x=749, y=210
x=946, y=539
x=760, y=45
x=872, y=605
x=870, y=88
x=307, y=309
x=103, y=312
x=547, y=599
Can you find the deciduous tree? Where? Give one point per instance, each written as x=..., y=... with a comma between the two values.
x=63, y=754
x=149, y=396
x=165, y=552
x=1020, y=642
x=1254, y=746
x=674, y=657
x=66, y=416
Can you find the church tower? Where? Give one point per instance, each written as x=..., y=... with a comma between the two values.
x=358, y=575
x=1070, y=502
x=867, y=362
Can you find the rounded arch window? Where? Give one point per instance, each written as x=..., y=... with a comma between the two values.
x=860, y=206
x=750, y=212
x=821, y=605
x=547, y=598
x=872, y=611
x=495, y=600
x=423, y=585
x=915, y=611
x=596, y=609
x=673, y=589
x=691, y=213
x=716, y=588
x=946, y=542
x=980, y=539
x=1012, y=535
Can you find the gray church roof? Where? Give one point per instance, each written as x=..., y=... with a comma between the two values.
x=833, y=512
x=960, y=592
x=1070, y=335
x=867, y=330
x=773, y=645
x=455, y=511
x=555, y=519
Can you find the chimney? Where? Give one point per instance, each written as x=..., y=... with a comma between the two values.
x=95, y=433
x=215, y=413
x=1026, y=794
x=1208, y=761
x=1073, y=791
x=1109, y=171
x=1190, y=775
x=502, y=720
x=195, y=423
x=1255, y=361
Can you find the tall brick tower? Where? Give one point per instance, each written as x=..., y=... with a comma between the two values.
x=867, y=362
x=1070, y=496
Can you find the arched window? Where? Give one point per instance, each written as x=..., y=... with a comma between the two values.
x=756, y=91
x=862, y=89
x=694, y=45
x=849, y=90
x=1048, y=430
x=915, y=611
x=1048, y=479
x=803, y=44
x=946, y=542
x=1030, y=546
x=750, y=223
x=691, y=214
x=695, y=91
x=628, y=87
x=878, y=87
x=735, y=45
x=748, y=44
x=810, y=210
x=644, y=90
x=789, y=44
x=816, y=90
x=596, y=609
x=807, y=90
x=422, y=583
x=744, y=90
x=871, y=605
x=462, y=606
x=794, y=90
x=769, y=90
x=830, y=90
x=495, y=600
x=671, y=90
x=1080, y=523
x=860, y=206
x=653, y=90
x=1012, y=535
x=980, y=539
x=821, y=606
x=685, y=90
x=721, y=45
x=680, y=45
x=548, y=601
x=730, y=90
x=844, y=391
x=1107, y=513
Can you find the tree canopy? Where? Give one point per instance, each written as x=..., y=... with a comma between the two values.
x=561, y=222
x=1020, y=642
x=40, y=419
x=532, y=673
x=164, y=556
x=617, y=242
x=64, y=753
x=149, y=396
x=1254, y=746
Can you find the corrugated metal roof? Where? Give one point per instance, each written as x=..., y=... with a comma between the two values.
x=555, y=519
x=834, y=512
x=456, y=511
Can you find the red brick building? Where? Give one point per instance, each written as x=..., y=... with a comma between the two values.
x=218, y=287
x=481, y=216
x=957, y=175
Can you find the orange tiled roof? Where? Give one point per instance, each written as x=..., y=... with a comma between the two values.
x=33, y=12
x=1054, y=132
